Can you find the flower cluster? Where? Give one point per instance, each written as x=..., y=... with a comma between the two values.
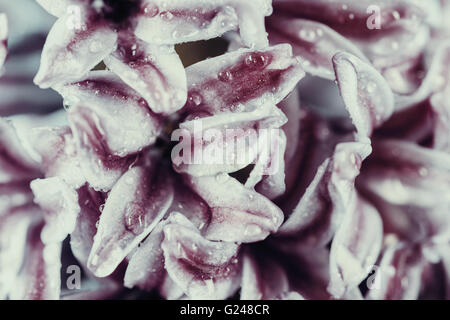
x=339, y=117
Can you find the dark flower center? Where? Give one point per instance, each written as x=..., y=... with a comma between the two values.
x=119, y=11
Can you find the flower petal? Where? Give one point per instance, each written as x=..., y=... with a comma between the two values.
x=91, y=205
x=57, y=150
x=314, y=42
x=113, y=102
x=193, y=20
x=156, y=73
x=15, y=162
x=355, y=248
x=238, y=214
x=408, y=184
x=366, y=94
x=59, y=202
x=146, y=266
x=40, y=276
x=242, y=80
x=56, y=8
x=134, y=207
x=71, y=51
x=330, y=196
x=203, y=269
x=262, y=278
x=13, y=235
x=399, y=274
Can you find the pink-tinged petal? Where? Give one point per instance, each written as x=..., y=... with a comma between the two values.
x=156, y=73
x=134, y=207
x=15, y=163
x=367, y=96
x=203, y=269
x=3, y=38
x=59, y=203
x=262, y=278
x=15, y=195
x=13, y=234
x=58, y=154
x=121, y=116
x=238, y=214
x=399, y=274
x=409, y=185
x=414, y=123
x=306, y=269
x=58, y=7
x=330, y=196
x=268, y=175
x=314, y=42
x=91, y=205
x=355, y=248
x=437, y=75
x=188, y=203
x=146, y=266
x=100, y=167
x=355, y=19
x=40, y=275
x=441, y=112
x=71, y=51
x=226, y=142
x=178, y=21
x=242, y=81
x=169, y=290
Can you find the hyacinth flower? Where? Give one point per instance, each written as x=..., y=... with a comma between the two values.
x=356, y=207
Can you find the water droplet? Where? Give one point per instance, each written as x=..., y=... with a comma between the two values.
x=307, y=35
x=225, y=76
x=256, y=60
x=151, y=10
x=166, y=15
x=423, y=171
x=195, y=99
x=396, y=14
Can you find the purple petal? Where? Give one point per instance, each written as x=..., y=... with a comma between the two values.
x=91, y=205
x=399, y=274
x=13, y=235
x=329, y=197
x=262, y=279
x=408, y=184
x=156, y=73
x=366, y=94
x=15, y=163
x=59, y=202
x=58, y=153
x=134, y=207
x=203, y=269
x=314, y=42
x=71, y=51
x=242, y=80
x=192, y=20
x=355, y=248
x=238, y=214
x=40, y=276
